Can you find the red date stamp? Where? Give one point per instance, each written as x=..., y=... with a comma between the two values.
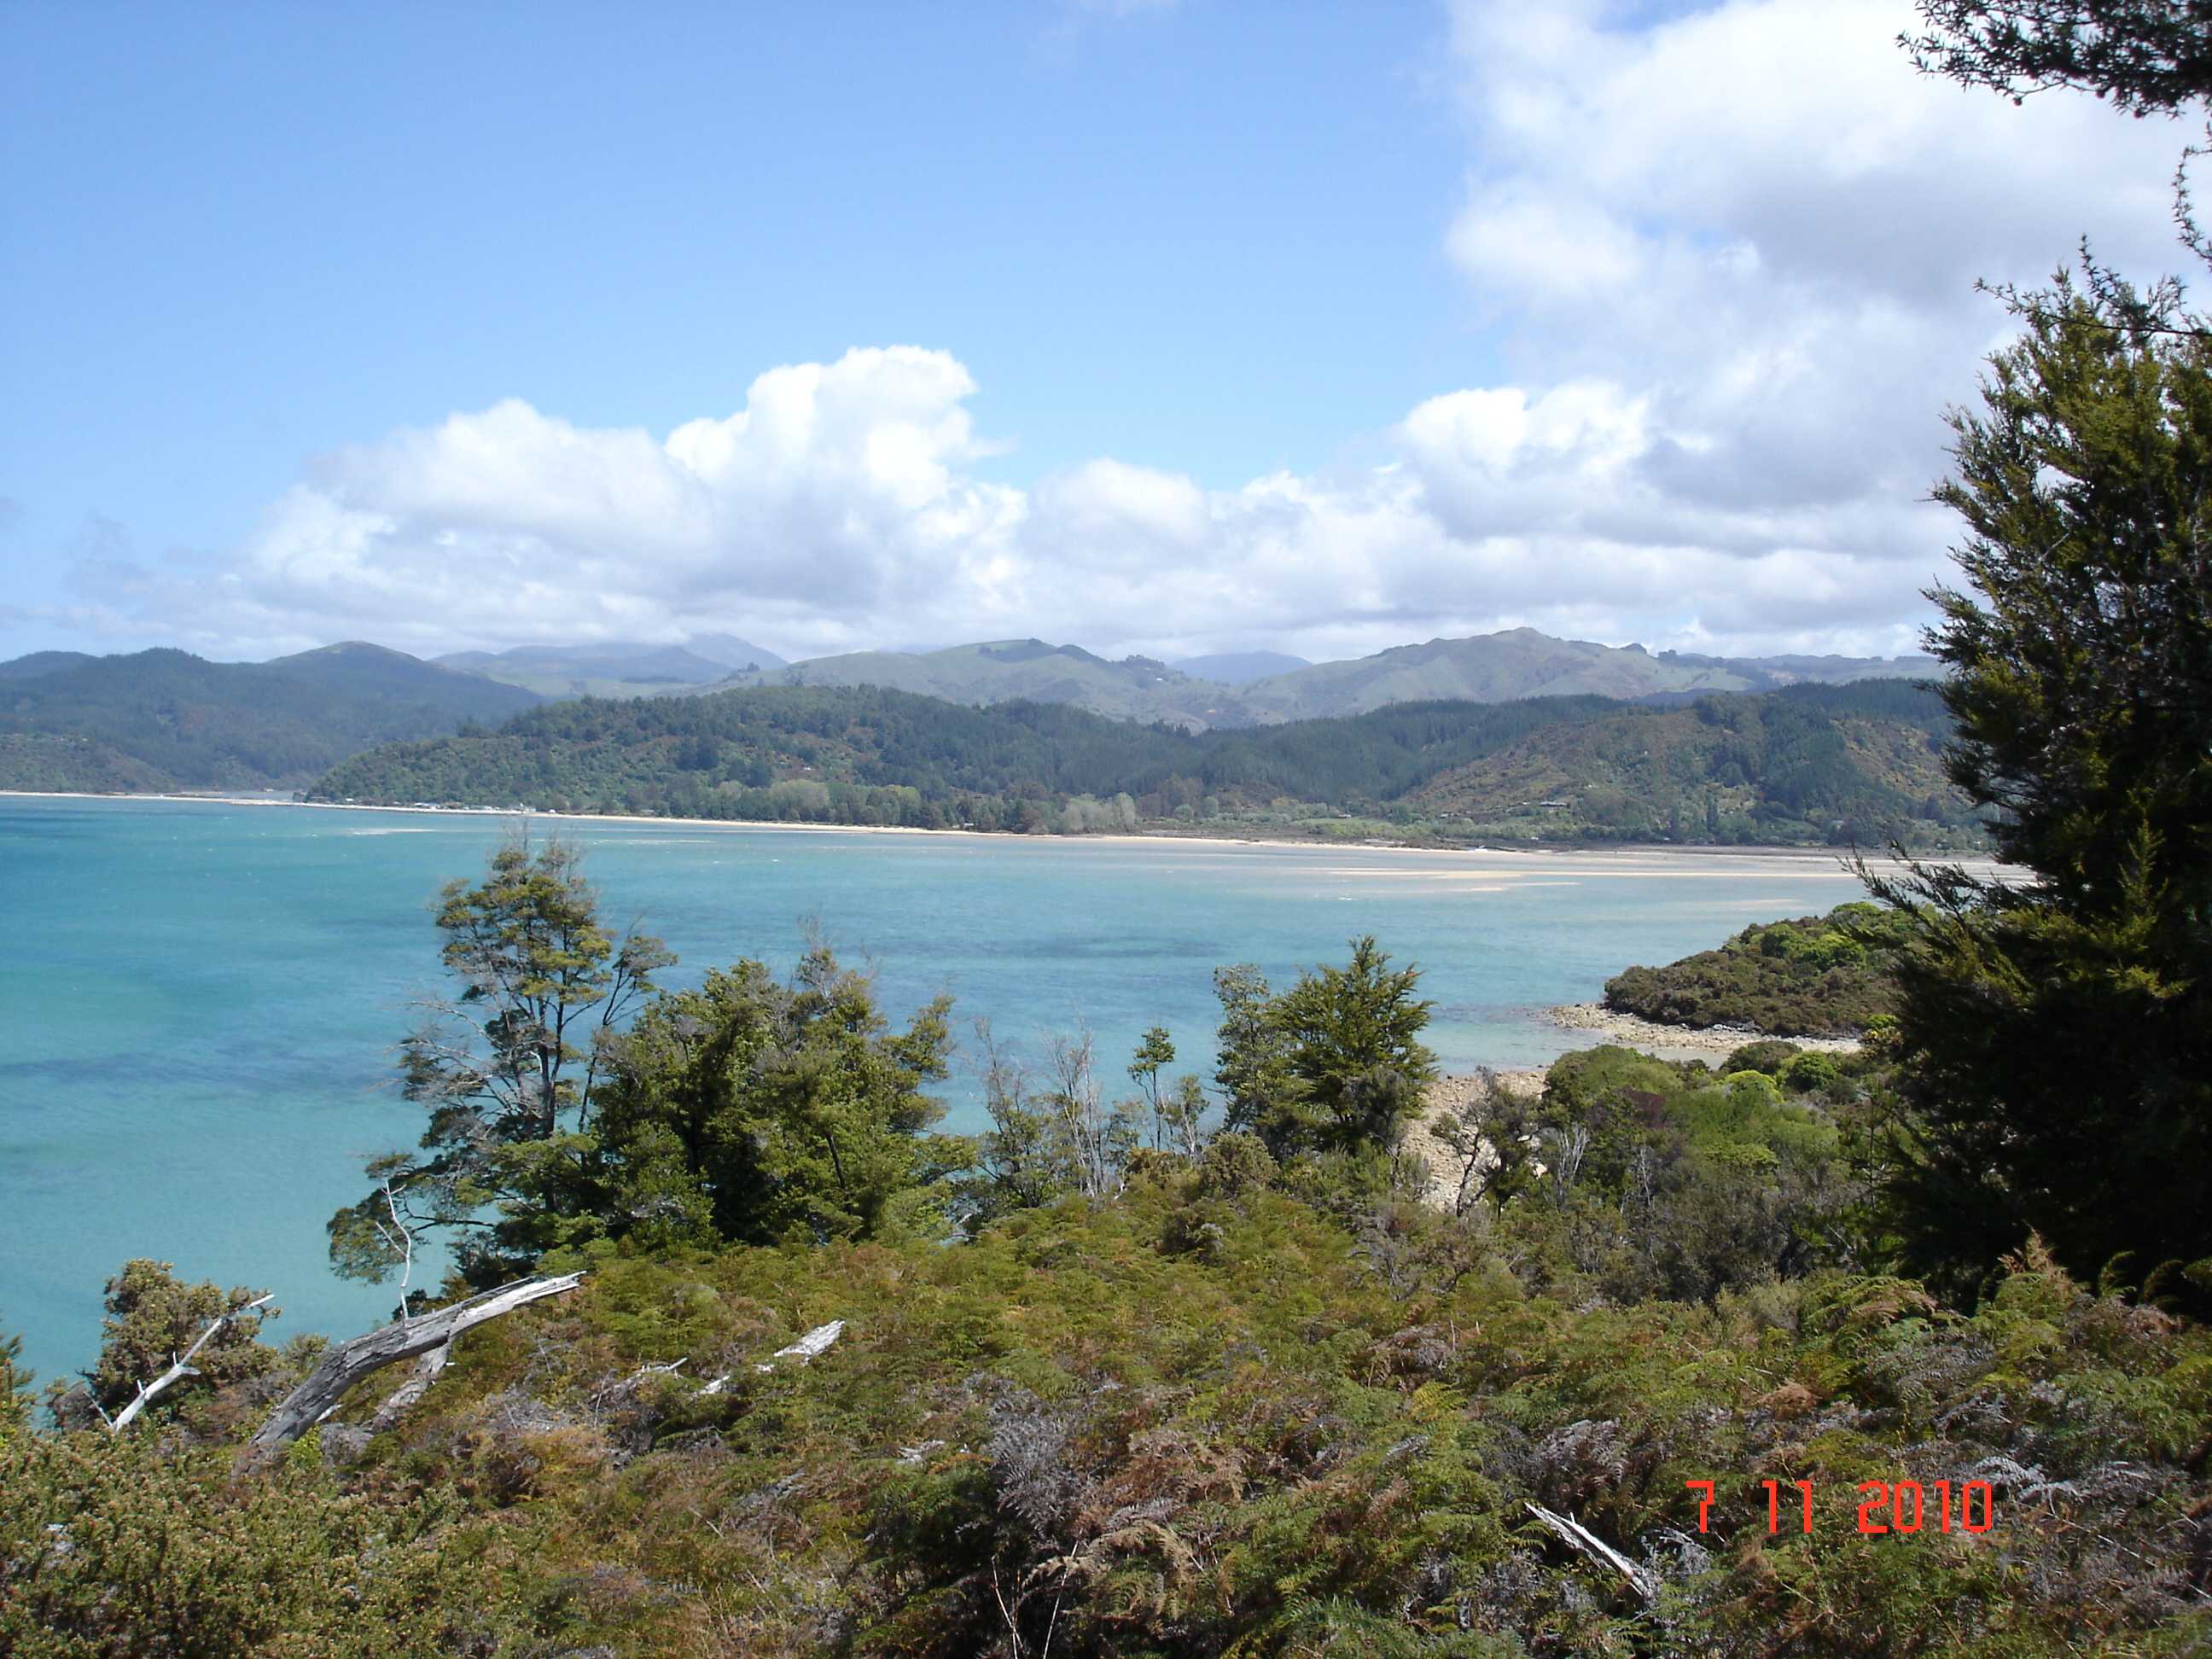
x=1886, y=1506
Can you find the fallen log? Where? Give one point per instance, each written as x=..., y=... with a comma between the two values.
x=347, y=1362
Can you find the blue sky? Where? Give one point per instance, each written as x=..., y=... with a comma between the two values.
x=1228, y=325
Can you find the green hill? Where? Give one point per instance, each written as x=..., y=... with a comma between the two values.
x=166, y=720
x=42, y=662
x=43, y=760
x=1844, y=762
x=1807, y=766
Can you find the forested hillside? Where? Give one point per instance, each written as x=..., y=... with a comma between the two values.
x=1612, y=1368
x=1812, y=764
x=1835, y=759
x=167, y=720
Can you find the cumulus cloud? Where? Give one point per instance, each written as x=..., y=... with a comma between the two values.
x=1728, y=256
x=1758, y=219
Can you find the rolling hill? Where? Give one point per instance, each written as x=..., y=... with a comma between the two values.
x=1808, y=765
x=1240, y=667
x=1837, y=759
x=166, y=719
x=1520, y=662
x=42, y=662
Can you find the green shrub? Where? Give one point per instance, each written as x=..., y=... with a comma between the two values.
x=1769, y=1055
x=1814, y=976
x=1811, y=1074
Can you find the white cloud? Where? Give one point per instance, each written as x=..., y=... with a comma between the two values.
x=1759, y=219
x=1730, y=258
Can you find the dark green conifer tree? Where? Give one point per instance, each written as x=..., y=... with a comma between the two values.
x=2056, y=1030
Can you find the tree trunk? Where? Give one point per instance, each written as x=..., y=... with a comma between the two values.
x=347, y=1362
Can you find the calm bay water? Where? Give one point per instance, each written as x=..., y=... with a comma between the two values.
x=200, y=1000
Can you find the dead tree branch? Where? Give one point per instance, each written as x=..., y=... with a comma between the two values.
x=347, y=1362
x=1584, y=1541
x=426, y=1372
x=181, y=1367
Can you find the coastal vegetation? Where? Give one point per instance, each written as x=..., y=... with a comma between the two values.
x=2055, y=1034
x=1823, y=976
x=1090, y=1396
x=1897, y=1352
x=1815, y=764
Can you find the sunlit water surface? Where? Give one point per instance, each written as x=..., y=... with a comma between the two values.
x=200, y=999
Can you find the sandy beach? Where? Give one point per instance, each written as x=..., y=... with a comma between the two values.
x=1523, y=865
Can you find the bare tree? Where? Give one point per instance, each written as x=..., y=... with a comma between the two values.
x=1101, y=1138
x=181, y=1367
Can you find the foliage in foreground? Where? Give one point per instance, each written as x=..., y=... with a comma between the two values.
x=2056, y=1033
x=1200, y=1418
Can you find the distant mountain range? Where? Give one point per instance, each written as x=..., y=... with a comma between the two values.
x=1523, y=663
x=1486, y=668
x=163, y=719
x=616, y=668
x=1239, y=667
x=1006, y=671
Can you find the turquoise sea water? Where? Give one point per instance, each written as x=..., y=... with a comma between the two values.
x=200, y=1000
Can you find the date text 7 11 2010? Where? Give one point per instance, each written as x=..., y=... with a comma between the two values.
x=1902, y=1506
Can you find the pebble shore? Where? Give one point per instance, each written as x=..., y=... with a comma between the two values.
x=1633, y=1033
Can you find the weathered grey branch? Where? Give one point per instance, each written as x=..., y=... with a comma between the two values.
x=181, y=1367
x=1581, y=1539
x=347, y=1362
x=814, y=1343
x=426, y=1372
x=405, y=1248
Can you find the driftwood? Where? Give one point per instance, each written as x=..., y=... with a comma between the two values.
x=347, y=1362
x=1581, y=1539
x=181, y=1367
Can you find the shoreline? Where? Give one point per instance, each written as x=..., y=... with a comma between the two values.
x=1631, y=1031
x=1829, y=859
